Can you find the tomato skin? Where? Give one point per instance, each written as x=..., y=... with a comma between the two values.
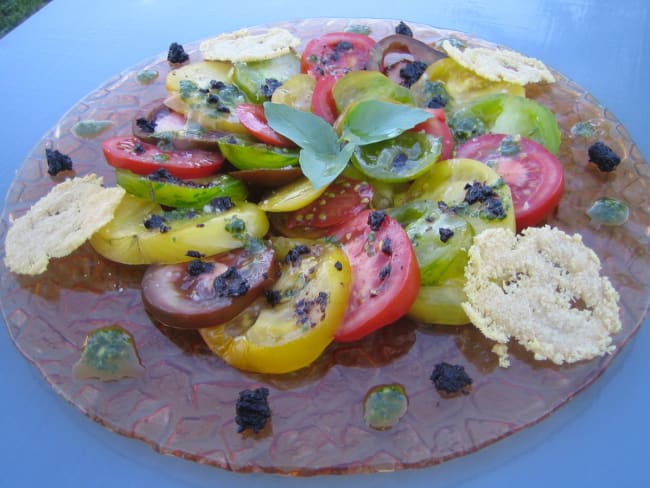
x=437, y=126
x=322, y=102
x=142, y=158
x=534, y=175
x=376, y=300
x=252, y=117
x=185, y=299
x=336, y=53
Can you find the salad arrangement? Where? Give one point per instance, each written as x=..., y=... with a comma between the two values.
x=340, y=200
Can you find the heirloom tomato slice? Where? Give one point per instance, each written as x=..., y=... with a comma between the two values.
x=291, y=325
x=336, y=53
x=142, y=158
x=385, y=275
x=252, y=117
x=207, y=291
x=342, y=200
x=534, y=175
x=141, y=232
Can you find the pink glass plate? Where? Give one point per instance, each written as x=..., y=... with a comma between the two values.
x=184, y=402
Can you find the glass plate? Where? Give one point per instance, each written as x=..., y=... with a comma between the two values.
x=184, y=402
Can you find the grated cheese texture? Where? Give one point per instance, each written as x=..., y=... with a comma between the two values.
x=243, y=46
x=542, y=288
x=59, y=223
x=500, y=64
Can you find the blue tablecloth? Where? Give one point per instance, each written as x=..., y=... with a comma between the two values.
x=69, y=48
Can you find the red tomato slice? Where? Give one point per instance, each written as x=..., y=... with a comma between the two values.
x=343, y=199
x=336, y=54
x=385, y=274
x=253, y=118
x=437, y=126
x=534, y=175
x=143, y=158
x=322, y=101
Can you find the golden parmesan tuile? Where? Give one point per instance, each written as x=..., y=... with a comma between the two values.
x=542, y=288
x=59, y=223
x=500, y=64
x=244, y=46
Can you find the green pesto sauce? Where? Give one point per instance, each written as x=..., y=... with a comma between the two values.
x=586, y=129
x=359, y=29
x=609, y=211
x=109, y=354
x=147, y=76
x=384, y=405
x=89, y=129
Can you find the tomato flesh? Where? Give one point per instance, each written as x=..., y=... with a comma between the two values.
x=142, y=158
x=208, y=291
x=253, y=119
x=534, y=175
x=336, y=53
x=385, y=275
x=342, y=199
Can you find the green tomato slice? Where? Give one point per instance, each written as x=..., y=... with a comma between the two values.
x=252, y=76
x=507, y=114
x=245, y=153
x=402, y=158
x=177, y=193
x=364, y=85
x=440, y=304
x=126, y=239
x=439, y=238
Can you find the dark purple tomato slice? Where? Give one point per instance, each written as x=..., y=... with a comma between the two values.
x=207, y=292
x=534, y=175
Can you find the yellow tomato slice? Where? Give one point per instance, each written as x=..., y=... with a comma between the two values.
x=462, y=84
x=201, y=73
x=446, y=182
x=295, y=195
x=312, y=295
x=296, y=92
x=125, y=239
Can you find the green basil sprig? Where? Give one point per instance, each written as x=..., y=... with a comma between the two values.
x=323, y=154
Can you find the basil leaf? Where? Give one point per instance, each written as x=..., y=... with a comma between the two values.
x=323, y=168
x=372, y=121
x=303, y=128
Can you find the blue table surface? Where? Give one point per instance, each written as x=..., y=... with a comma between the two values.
x=69, y=48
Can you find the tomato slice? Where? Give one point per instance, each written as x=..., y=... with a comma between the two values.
x=437, y=126
x=534, y=175
x=292, y=324
x=142, y=158
x=207, y=291
x=322, y=102
x=336, y=54
x=385, y=275
x=252, y=117
x=342, y=199
x=142, y=233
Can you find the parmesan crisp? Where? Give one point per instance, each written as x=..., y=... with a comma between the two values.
x=242, y=46
x=59, y=223
x=542, y=288
x=500, y=64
